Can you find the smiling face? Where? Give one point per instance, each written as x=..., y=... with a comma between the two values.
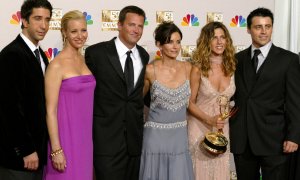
x=76, y=33
x=131, y=30
x=260, y=30
x=171, y=49
x=218, y=42
x=37, y=25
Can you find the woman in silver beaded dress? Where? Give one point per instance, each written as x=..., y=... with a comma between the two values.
x=165, y=154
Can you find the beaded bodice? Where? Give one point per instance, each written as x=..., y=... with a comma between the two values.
x=171, y=99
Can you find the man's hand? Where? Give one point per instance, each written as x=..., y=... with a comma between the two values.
x=31, y=162
x=289, y=147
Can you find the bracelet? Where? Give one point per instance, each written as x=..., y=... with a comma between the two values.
x=56, y=152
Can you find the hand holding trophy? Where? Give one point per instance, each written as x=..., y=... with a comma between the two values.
x=215, y=142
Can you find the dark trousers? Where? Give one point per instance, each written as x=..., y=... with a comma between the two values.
x=122, y=166
x=295, y=166
x=248, y=166
x=10, y=174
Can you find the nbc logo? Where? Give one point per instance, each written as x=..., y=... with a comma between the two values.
x=88, y=18
x=190, y=20
x=146, y=22
x=238, y=21
x=51, y=53
x=16, y=18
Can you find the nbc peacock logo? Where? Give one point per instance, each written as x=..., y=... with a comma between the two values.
x=51, y=53
x=190, y=20
x=238, y=21
x=88, y=18
x=146, y=22
x=16, y=18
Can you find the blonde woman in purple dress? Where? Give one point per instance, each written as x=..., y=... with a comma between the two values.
x=211, y=77
x=69, y=101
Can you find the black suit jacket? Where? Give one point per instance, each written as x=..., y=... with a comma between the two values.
x=268, y=102
x=22, y=105
x=117, y=116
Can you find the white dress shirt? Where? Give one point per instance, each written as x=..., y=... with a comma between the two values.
x=135, y=56
x=33, y=48
x=264, y=53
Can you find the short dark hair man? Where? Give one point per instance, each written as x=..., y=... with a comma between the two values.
x=265, y=130
x=23, y=133
x=118, y=102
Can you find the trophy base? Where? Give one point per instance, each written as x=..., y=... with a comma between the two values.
x=214, y=143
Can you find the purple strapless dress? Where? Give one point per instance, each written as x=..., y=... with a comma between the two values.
x=75, y=115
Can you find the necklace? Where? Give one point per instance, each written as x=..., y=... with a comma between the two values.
x=215, y=60
x=216, y=64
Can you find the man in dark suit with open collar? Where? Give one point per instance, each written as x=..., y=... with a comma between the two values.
x=266, y=129
x=23, y=132
x=118, y=111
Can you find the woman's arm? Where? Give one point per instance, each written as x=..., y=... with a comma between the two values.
x=147, y=79
x=195, y=81
x=53, y=79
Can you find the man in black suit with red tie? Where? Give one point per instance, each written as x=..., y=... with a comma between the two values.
x=23, y=132
x=119, y=67
x=266, y=129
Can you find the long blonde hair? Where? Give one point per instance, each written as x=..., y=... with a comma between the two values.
x=202, y=53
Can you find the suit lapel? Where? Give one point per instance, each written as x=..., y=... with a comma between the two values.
x=248, y=72
x=26, y=49
x=265, y=67
x=45, y=59
x=30, y=53
x=114, y=58
x=144, y=62
x=115, y=61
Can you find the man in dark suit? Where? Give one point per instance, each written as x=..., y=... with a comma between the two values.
x=118, y=102
x=23, y=133
x=266, y=128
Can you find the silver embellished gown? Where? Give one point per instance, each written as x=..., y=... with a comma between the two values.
x=165, y=153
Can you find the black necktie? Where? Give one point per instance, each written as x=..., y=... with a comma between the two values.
x=37, y=55
x=129, y=74
x=255, y=59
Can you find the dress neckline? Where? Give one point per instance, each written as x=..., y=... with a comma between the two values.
x=213, y=88
x=169, y=88
x=73, y=77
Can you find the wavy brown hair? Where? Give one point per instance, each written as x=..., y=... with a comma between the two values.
x=202, y=53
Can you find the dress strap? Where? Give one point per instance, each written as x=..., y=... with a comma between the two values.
x=154, y=70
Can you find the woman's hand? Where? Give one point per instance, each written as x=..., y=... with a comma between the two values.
x=216, y=121
x=59, y=162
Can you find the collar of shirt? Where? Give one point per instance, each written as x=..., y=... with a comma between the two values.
x=33, y=48
x=29, y=43
x=122, y=49
x=264, y=53
x=264, y=49
x=135, y=56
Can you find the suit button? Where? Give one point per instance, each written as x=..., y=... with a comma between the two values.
x=17, y=150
